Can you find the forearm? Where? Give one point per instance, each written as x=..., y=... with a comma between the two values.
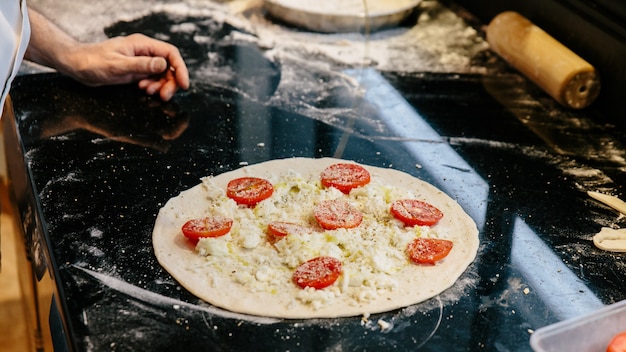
x=48, y=44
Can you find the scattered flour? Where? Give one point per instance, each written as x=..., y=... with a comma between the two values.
x=440, y=41
x=157, y=299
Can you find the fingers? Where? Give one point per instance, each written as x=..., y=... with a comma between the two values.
x=167, y=90
x=151, y=86
x=149, y=47
x=157, y=65
x=166, y=85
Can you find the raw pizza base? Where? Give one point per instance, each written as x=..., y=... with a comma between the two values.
x=417, y=283
x=329, y=16
x=348, y=7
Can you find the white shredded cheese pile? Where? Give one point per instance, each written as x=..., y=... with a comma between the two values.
x=370, y=253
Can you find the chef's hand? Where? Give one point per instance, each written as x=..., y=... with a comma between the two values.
x=156, y=65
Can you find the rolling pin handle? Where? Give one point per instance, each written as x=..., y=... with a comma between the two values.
x=565, y=76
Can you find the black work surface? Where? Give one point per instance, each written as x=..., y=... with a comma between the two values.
x=102, y=161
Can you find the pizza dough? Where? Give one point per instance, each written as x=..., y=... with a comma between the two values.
x=348, y=7
x=611, y=201
x=611, y=240
x=243, y=272
x=330, y=16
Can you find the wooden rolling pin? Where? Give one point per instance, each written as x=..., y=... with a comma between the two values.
x=557, y=70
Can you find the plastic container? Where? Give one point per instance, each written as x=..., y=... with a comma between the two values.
x=590, y=332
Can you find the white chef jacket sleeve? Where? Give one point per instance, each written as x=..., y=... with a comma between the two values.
x=14, y=37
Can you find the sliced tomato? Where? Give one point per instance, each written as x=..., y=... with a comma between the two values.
x=318, y=272
x=249, y=190
x=345, y=177
x=428, y=250
x=214, y=226
x=617, y=343
x=415, y=212
x=282, y=229
x=335, y=214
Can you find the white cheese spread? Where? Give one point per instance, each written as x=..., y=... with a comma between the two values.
x=371, y=253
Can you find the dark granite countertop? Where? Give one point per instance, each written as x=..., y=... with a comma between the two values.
x=100, y=162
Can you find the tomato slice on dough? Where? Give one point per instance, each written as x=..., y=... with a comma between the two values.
x=428, y=250
x=318, y=272
x=335, y=214
x=215, y=226
x=345, y=177
x=617, y=343
x=282, y=229
x=415, y=212
x=249, y=190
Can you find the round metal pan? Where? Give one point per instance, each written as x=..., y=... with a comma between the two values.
x=312, y=17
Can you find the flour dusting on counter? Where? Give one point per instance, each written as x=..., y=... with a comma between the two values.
x=440, y=40
x=309, y=66
x=154, y=298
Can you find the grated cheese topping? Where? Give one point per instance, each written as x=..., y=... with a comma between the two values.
x=370, y=254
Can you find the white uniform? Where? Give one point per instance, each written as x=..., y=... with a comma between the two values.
x=14, y=36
